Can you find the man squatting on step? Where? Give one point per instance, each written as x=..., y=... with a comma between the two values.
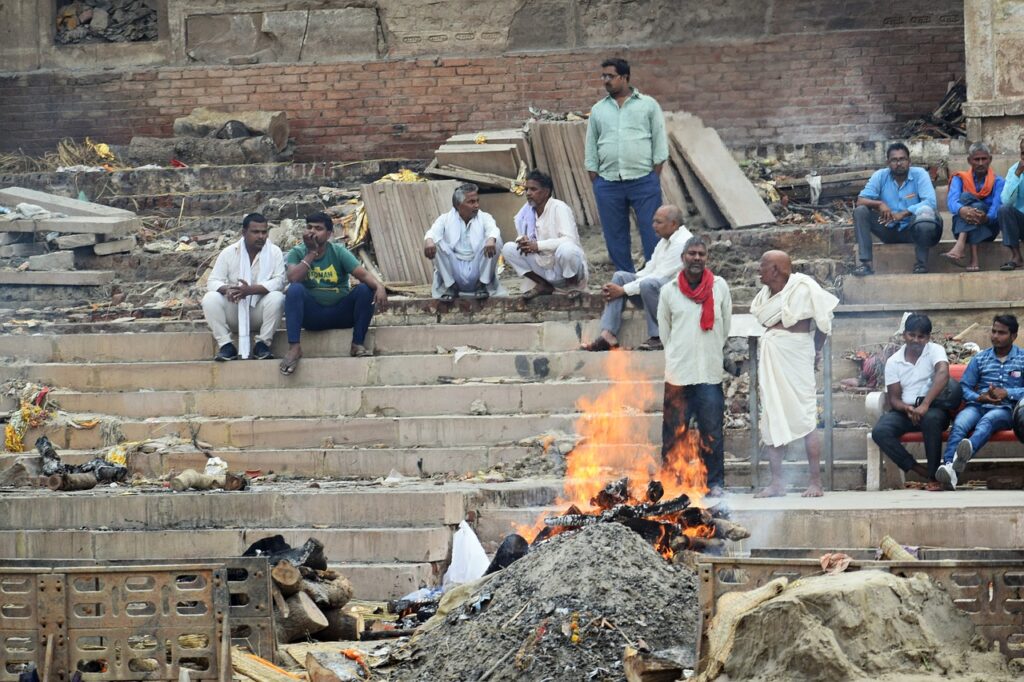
x=244, y=292
x=974, y=200
x=464, y=244
x=993, y=383
x=787, y=305
x=643, y=288
x=694, y=314
x=915, y=375
x=318, y=295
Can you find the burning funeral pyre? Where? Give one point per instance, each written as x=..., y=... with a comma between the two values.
x=613, y=475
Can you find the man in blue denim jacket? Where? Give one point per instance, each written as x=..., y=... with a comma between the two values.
x=993, y=383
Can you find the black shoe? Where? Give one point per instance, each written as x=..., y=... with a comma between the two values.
x=863, y=270
x=261, y=351
x=226, y=352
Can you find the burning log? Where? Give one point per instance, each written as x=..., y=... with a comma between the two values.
x=695, y=517
x=729, y=530
x=613, y=494
x=655, y=491
x=697, y=544
x=71, y=482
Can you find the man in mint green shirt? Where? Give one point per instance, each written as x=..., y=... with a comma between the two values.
x=626, y=148
x=1011, y=213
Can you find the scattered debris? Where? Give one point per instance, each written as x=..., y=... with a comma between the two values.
x=947, y=121
x=106, y=21
x=203, y=122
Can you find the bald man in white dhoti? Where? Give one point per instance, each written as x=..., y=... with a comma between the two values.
x=797, y=314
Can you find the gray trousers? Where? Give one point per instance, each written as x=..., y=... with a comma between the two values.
x=647, y=300
x=1011, y=222
x=923, y=233
x=465, y=276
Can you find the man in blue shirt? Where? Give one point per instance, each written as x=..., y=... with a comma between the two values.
x=1011, y=213
x=974, y=200
x=626, y=148
x=993, y=383
x=898, y=206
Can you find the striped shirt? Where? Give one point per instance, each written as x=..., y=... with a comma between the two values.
x=986, y=369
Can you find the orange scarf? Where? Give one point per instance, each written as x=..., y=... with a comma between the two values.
x=702, y=294
x=967, y=177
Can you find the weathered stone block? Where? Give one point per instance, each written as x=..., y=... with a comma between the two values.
x=74, y=241
x=58, y=260
x=543, y=24
x=336, y=34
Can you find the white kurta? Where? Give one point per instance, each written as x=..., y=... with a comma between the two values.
x=785, y=374
x=560, y=253
x=460, y=261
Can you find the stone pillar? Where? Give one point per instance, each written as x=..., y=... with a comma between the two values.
x=994, y=41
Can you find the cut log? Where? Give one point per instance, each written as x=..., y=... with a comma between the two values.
x=190, y=479
x=730, y=530
x=325, y=666
x=642, y=666
x=258, y=669
x=203, y=122
x=328, y=594
x=71, y=482
x=287, y=578
x=196, y=150
x=279, y=603
x=304, y=619
x=343, y=625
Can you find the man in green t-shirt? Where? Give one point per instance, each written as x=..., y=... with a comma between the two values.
x=318, y=295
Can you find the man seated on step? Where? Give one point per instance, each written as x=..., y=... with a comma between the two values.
x=915, y=375
x=897, y=205
x=244, y=293
x=974, y=200
x=547, y=251
x=319, y=296
x=464, y=244
x=1011, y=213
x=643, y=288
x=992, y=383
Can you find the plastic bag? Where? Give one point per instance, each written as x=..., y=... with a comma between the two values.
x=469, y=560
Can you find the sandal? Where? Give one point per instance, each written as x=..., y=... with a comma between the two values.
x=574, y=294
x=955, y=260
x=920, y=269
x=863, y=270
x=288, y=365
x=481, y=294
x=598, y=345
x=653, y=343
x=448, y=296
x=535, y=292
x=360, y=351
x=973, y=268
x=933, y=487
x=1009, y=266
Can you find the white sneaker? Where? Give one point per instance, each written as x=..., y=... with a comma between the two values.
x=946, y=476
x=964, y=452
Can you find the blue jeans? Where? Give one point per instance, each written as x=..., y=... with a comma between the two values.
x=707, y=403
x=613, y=202
x=353, y=312
x=984, y=421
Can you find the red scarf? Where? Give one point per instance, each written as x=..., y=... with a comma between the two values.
x=967, y=177
x=704, y=295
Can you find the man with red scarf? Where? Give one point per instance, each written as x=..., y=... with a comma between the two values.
x=974, y=200
x=694, y=313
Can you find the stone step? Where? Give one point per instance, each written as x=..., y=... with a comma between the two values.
x=385, y=401
x=352, y=506
x=365, y=545
x=964, y=287
x=409, y=432
x=331, y=372
x=384, y=582
x=899, y=258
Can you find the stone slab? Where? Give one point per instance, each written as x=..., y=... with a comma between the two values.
x=106, y=248
x=383, y=582
x=74, y=225
x=899, y=258
x=22, y=250
x=78, y=278
x=963, y=287
x=75, y=241
x=55, y=261
x=9, y=196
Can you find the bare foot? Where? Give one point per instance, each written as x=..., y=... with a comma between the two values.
x=813, y=490
x=953, y=255
x=291, y=360
x=774, y=490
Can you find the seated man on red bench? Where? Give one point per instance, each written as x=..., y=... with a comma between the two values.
x=915, y=375
x=993, y=383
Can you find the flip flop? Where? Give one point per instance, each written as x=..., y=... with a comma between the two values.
x=1009, y=266
x=598, y=345
x=955, y=260
x=574, y=294
x=973, y=268
x=358, y=351
x=535, y=292
x=933, y=487
x=288, y=366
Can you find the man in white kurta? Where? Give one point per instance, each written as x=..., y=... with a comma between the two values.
x=547, y=251
x=244, y=293
x=797, y=314
x=464, y=244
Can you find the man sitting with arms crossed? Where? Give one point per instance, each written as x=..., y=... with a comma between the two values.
x=464, y=244
x=319, y=296
x=915, y=375
x=993, y=383
x=643, y=288
x=232, y=304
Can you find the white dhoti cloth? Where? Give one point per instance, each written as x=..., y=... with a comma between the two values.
x=465, y=275
x=785, y=374
x=568, y=260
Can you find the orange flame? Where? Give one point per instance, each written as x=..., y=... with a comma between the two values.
x=618, y=442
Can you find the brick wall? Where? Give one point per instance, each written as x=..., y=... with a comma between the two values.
x=828, y=87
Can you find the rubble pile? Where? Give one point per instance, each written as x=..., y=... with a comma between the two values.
x=564, y=611
x=113, y=21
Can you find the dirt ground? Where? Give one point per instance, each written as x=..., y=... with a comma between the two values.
x=603, y=584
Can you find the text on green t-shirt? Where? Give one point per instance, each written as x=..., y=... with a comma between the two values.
x=327, y=279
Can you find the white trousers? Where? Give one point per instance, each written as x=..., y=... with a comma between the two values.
x=569, y=261
x=222, y=316
x=465, y=275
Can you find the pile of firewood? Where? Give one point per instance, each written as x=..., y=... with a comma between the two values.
x=309, y=598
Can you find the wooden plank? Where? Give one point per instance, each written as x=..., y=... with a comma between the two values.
x=10, y=196
x=561, y=170
x=711, y=161
x=466, y=175
x=540, y=158
x=72, y=278
x=672, y=187
x=75, y=225
x=575, y=137
x=514, y=136
x=492, y=159
x=681, y=123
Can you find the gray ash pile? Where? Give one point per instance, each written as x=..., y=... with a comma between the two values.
x=564, y=612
